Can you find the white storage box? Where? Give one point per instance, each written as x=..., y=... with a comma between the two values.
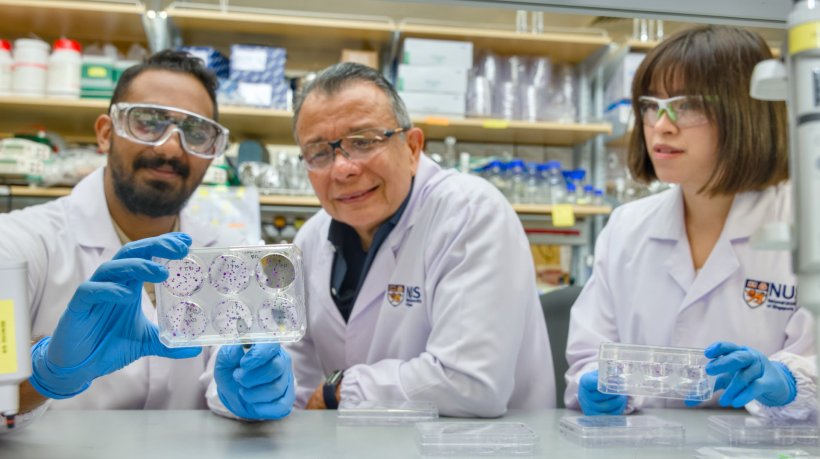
x=441, y=53
x=428, y=103
x=432, y=79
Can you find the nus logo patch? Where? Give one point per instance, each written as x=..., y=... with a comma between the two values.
x=410, y=295
x=782, y=297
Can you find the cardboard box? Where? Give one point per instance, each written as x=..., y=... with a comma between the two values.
x=440, y=53
x=432, y=79
x=368, y=58
x=433, y=103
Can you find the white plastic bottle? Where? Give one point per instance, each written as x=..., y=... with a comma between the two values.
x=64, y=69
x=28, y=76
x=5, y=68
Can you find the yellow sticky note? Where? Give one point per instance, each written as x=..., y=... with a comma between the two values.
x=8, y=341
x=495, y=124
x=563, y=215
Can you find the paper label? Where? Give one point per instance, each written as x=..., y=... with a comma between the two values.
x=8, y=340
x=259, y=94
x=249, y=59
x=804, y=37
x=563, y=215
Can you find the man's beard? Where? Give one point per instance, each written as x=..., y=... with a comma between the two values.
x=155, y=198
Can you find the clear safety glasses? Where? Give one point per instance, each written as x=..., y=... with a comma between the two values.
x=151, y=124
x=357, y=147
x=684, y=111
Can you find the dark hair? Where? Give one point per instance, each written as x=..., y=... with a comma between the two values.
x=174, y=61
x=716, y=62
x=337, y=77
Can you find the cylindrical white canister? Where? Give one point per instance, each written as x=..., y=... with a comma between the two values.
x=29, y=69
x=5, y=67
x=64, y=69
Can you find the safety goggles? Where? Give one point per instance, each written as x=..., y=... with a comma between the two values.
x=151, y=124
x=357, y=147
x=684, y=111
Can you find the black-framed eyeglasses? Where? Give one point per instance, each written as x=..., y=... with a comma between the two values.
x=358, y=147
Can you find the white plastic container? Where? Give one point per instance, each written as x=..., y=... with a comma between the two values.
x=752, y=430
x=15, y=345
x=385, y=413
x=64, y=69
x=665, y=372
x=5, y=67
x=476, y=438
x=29, y=68
x=610, y=431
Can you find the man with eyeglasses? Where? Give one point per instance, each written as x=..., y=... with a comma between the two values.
x=420, y=280
x=86, y=277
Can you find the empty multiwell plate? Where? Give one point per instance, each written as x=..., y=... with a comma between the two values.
x=385, y=413
x=635, y=430
x=654, y=371
x=233, y=295
x=476, y=438
x=751, y=430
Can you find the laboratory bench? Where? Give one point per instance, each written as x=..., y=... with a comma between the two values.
x=304, y=434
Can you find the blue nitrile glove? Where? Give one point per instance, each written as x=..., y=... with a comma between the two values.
x=748, y=375
x=257, y=384
x=103, y=328
x=594, y=402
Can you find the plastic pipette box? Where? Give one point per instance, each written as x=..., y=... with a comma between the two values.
x=480, y=438
x=666, y=372
x=385, y=413
x=751, y=430
x=636, y=430
x=234, y=295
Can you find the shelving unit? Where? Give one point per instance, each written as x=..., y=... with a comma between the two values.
x=296, y=201
x=119, y=23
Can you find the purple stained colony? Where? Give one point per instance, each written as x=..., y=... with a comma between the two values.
x=275, y=272
x=278, y=315
x=185, y=277
x=232, y=318
x=186, y=320
x=229, y=274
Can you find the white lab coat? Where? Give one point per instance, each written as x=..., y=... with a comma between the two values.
x=644, y=290
x=466, y=332
x=64, y=241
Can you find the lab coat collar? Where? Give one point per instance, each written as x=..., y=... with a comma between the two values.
x=669, y=217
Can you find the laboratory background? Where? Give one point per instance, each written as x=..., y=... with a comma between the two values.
x=533, y=97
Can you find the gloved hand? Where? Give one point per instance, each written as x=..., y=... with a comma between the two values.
x=257, y=384
x=748, y=375
x=103, y=328
x=594, y=402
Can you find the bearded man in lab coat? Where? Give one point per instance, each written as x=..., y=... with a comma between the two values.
x=421, y=284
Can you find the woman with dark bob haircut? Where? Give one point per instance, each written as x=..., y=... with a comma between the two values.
x=677, y=268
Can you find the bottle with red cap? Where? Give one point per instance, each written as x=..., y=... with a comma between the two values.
x=64, y=69
x=5, y=67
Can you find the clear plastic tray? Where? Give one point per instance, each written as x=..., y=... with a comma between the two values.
x=385, y=413
x=748, y=453
x=665, y=372
x=636, y=430
x=480, y=438
x=750, y=430
x=234, y=295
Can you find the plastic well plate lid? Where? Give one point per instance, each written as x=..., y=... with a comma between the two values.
x=479, y=438
x=751, y=430
x=385, y=412
x=635, y=430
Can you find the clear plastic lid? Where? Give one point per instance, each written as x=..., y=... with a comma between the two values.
x=748, y=453
x=654, y=371
x=636, y=430
x=386, y=412
x=233, y=295
x=478, y=438
x=751, y=430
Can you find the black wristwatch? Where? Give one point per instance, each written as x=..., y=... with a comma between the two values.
x=329, y=389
